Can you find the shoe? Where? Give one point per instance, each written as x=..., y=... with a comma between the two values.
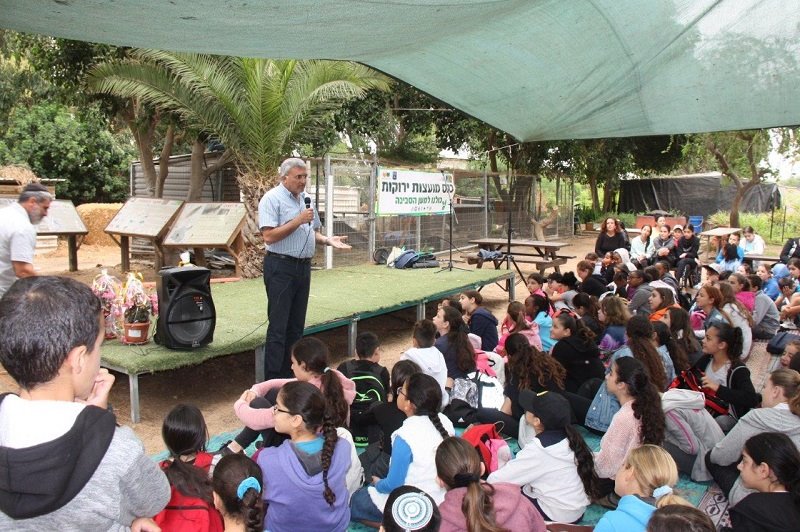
x=788, y=325
x=224, y=450
x=610, y=501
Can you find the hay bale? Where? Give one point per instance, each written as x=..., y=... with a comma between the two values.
x=21, y=174
x=97, y=216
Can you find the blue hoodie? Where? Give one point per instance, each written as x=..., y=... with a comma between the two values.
x=631, y=515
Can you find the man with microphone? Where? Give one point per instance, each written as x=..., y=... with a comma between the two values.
x=290, y=228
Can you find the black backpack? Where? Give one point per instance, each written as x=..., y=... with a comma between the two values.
x=369, y=390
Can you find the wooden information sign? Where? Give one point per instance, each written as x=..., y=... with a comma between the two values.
x=143, y=217
x=209, y=225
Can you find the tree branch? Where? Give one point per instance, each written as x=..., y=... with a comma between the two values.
x=723, y=162
x=224, y=159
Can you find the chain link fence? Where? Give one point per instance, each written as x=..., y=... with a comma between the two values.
x=478, y=211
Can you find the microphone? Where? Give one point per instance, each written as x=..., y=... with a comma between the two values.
x=308, y=204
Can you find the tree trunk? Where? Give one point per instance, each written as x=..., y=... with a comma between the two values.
x=741, y=192
x=163, y=162
x=197, y=176
x=253, y=187
x=593, y=189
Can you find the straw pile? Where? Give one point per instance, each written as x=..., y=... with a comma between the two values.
x=20, y=174
x=96, y=216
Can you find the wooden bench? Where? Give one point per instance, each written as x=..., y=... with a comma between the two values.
x=541, y=263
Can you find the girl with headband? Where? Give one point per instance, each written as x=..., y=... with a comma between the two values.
x=237, y=493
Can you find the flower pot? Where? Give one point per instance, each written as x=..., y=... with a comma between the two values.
x=135, y=333
x=589, y=226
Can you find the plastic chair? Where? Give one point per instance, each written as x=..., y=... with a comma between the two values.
x=697, y=223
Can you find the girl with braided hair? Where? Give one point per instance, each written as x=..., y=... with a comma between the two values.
x=305, y=478
x=474, y=505
x=238, y=487
x=413, y=450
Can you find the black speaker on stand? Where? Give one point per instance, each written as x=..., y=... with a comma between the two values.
x=186, y=314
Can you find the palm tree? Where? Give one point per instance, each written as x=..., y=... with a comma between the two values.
x=259, y=108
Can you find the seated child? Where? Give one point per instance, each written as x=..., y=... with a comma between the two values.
x=413, y=449
x=425, y=355
x=470, y=500
x=516, y=322
x=187, y=469
x=237, y=493
x=372, y=385
x=305, y=485
x=410, y=508
x=555, y=467
x=310, y=364
x=645, y=483
x=388, y=418
x=66, y=464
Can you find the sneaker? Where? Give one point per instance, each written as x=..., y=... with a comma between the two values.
x=224, y=450
x=610, y=501
x=788, y=325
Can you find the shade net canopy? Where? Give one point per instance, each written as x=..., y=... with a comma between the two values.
x=538, y=69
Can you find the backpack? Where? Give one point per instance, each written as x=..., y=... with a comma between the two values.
x=491, y=446
x=369, y=390
x=692, y=379
x=406, y=259
x=479, y=390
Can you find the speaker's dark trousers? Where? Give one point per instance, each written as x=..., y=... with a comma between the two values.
x=288, y=283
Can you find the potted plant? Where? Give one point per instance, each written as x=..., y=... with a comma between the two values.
x=107, y=288
x=136, y=306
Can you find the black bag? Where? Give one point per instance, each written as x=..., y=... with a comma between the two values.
x=369, y=390
x=460, y=413
x=778, y=342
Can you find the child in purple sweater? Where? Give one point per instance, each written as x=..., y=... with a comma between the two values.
x=305, y=478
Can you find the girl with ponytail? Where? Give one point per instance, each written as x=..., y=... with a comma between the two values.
x=645, y=482
x=771, y=466
x=656, y=363
x=779, y=412
x=185, y=433
x=640, y=400
x=576, y=350
x=473, y=505
x=724, y=374
x=414, y=446
x=555, y=466
x=238, y=491
x=305, y=478
x=310, y=363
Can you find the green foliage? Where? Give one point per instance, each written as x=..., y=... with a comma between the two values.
x=261, y=109
x=56, y=144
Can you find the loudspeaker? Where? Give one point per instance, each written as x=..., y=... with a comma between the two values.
x=186, y=314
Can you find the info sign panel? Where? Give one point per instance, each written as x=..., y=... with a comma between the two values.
x=412, y=192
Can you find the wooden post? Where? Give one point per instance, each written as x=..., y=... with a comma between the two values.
x=159, y=254
x=125, y=250
x=73, y=252
x=199, y=257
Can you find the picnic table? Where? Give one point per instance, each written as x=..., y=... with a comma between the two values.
x=754, y=257
x=541, y=253
x=722, y=232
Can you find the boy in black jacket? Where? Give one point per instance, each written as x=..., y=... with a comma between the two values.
x=687, y=250
x=372, y=385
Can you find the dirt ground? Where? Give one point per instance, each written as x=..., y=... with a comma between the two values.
x=215, y=385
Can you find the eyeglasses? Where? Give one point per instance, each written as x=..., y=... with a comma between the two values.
x=401, y=392
x=275, y=410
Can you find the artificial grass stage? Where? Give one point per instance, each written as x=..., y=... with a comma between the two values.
x=337, y=296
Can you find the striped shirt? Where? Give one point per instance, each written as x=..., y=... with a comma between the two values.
x=276, y=208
